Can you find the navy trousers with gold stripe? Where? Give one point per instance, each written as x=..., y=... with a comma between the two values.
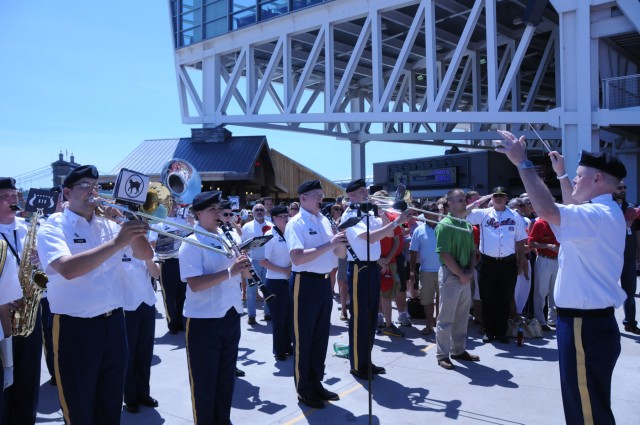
x=21, y=399
x=281, y=316
x=311, y=302
x=141, y=325
x=212, y=352
x=173, y=293
x=90, y=359
x=588, y=348
x=364, y=292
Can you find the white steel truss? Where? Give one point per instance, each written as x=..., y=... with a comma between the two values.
x=444, y=72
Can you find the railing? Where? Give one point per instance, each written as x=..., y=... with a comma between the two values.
x=621, y=92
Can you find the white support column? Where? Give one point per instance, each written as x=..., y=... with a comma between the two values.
x=578, y=58
x=358, y=164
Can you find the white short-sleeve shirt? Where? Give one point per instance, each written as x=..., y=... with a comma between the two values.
x=137, y=281
x=9, y=284
x=276, y=251
x=305, y=231
x=424, y=243
x=499, y=230
x=592, y=237
x=94, y=293
x=213, y=302
x=252, y=229
x=359, y=244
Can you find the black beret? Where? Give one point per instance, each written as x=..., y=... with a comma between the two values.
x=225, y=205
x=355, y=185
x=81, y=172
x=499, y=190
x=205, y=199
x=7, y=183
x=308, y=186
x=279, y=209
x=604, y=162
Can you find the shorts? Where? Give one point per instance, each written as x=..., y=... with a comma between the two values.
x=391, y=294
x=428, y=287
x=343, y=265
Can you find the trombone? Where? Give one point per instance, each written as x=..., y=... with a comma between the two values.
x=390, y=201
x=226, y=250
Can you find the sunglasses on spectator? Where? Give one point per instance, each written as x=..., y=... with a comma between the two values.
x=622, y=187
x=259, y=210
x=228, y=214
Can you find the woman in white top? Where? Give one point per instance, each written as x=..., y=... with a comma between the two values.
x=212, y=308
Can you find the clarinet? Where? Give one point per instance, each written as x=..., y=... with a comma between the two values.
x=255, y=279
x=334, y=227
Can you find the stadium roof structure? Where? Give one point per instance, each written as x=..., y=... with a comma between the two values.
x=438, y=72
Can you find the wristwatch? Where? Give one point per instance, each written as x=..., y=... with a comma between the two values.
x=525, y=165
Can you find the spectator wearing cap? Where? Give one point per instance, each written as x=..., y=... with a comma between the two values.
x=543, y=240
x=278, y=265
x=364, y=278
x=257, y=227
x=81, y=254
x=294, y=208
x=502, y=249
x=590, y=228
x=212, y=308
x=314, y=252
x=21, y=355
x=523, y=283
x=628, y=278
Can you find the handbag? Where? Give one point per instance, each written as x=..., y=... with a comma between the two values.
x=531, y=328
x=415, y=308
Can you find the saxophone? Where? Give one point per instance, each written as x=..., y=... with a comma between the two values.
x=33, y=282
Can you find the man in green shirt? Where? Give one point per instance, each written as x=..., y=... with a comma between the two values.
x=454, y=244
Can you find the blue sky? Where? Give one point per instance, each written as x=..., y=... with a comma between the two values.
x=97, y=78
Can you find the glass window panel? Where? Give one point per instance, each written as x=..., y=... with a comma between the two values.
x=191, y=19
x=188, y=5
x=244, y=18
x=217, y=27
x=272, y=8
x=242, y=4
x=215, y=10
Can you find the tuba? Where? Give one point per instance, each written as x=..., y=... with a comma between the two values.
x=33, y=282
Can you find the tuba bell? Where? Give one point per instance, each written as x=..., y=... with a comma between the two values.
x=182, y=180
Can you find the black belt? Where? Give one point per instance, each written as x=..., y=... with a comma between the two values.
x=511, y=257
x=107, y=314
x=547, y=257
x=598, y=312
x=314, y=275
x=370, y=263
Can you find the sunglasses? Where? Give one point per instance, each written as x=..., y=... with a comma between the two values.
x=259, y=210
x=622, y=187
x=228, y=214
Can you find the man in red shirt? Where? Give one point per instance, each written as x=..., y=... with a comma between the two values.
x=544, y=241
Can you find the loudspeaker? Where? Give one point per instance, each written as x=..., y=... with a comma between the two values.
x=533, y=12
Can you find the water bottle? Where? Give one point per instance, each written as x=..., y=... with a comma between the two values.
x=341, y=350
x=520, y=337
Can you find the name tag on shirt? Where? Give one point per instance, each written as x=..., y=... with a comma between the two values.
x=79, y=241
x=312, y=232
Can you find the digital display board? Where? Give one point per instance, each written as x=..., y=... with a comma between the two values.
x=433, y=177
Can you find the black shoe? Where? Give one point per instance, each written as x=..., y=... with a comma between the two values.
x=252, y=321
x=132, y=408
x=545, y=328
x=360, y=375
x=240, y=373
x=267, y=317
x=633, y=329
x=378, y=370
x=281, y=357
x=325, y=394
x=311, y=402
x=503, y=339
x=289, y=352
x=148, y=401
x=487, y=338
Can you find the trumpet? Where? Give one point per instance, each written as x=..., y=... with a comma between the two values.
x=226, y=249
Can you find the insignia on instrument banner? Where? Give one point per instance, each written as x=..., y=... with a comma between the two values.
x=131, y=186
x=41, y=199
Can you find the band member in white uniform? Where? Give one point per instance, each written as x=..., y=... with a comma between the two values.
x=9, y=292
x=81, y=253
x=212, y=308
x=314, y=251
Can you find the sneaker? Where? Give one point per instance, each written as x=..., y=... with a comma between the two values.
x=267, y=317
x=392, y=331
x=427, y=331
x=403, y=319
x=252, y=321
